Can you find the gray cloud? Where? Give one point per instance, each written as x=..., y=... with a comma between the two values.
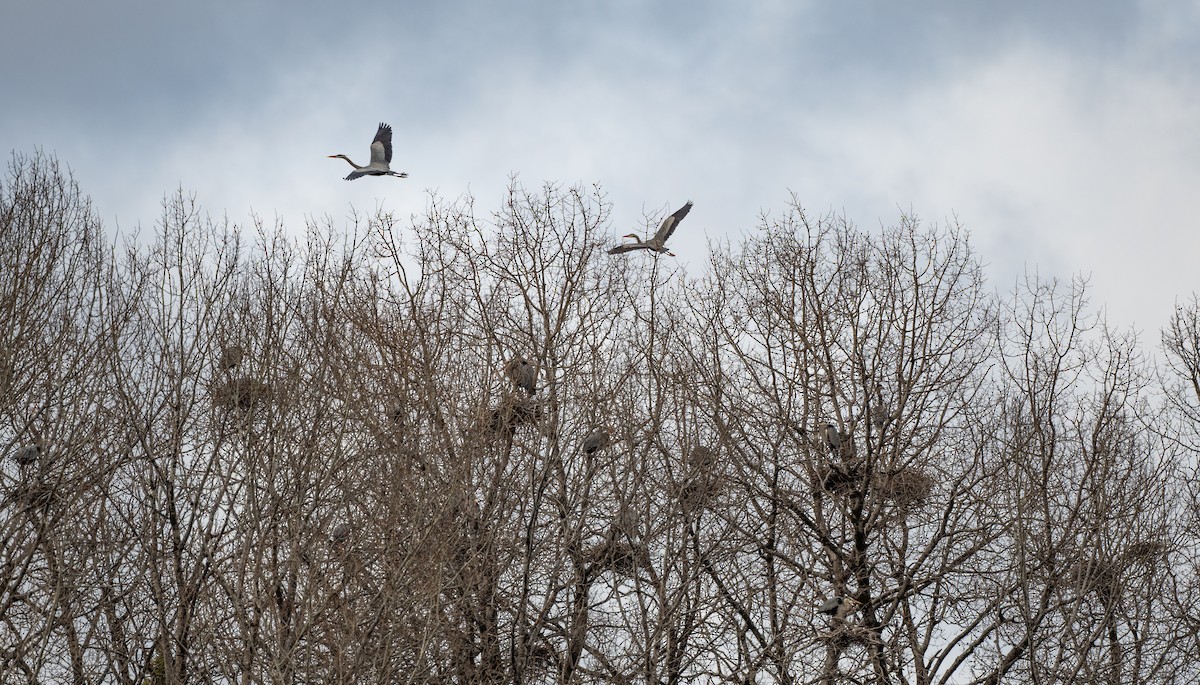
x=1060, y=133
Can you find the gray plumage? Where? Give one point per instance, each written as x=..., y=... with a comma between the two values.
x=522, y=374
x=27, y=455
x=626, y=521
x=880, y=418
x=701, y=457
x=381, y=157
x=596, y=441
x=838, y=607
x=339, y=534
x=832, y=437
x=658, y=242
x=231, y=356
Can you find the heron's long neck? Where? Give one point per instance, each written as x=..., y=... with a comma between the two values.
x=350, y=162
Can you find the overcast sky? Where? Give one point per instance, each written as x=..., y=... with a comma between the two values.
x=1064, y=135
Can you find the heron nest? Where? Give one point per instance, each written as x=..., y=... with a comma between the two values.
x=906, y=487
x=838, y=477
x=512, y=412
x=620, y=556
x=1099, y=576
x=846, y=634
x=542, y=655
x=1147, y=551
x=36, y=495
x=695, y=493
x=241, y=393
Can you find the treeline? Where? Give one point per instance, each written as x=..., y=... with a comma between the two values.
x=235, y=455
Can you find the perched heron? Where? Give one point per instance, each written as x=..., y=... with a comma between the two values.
x=880, y=418
x=596, y=441
x=832, y=437
x=339, y=534
x=27, y=455
x=701, y=457
x=626, y=521
x=381, y=157
x=838, y=607
x=231, y=356
x=658, y=243
x=522, y=373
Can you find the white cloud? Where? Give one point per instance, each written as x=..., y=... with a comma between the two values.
x=1053, y=165
x=1055, y=158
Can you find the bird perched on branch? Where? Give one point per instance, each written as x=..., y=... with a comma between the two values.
x=881, y=416
x=381, y=157
x=658, y=242
x=596, y=441
x=231, y=356
x=522, y=374
x=339, y=534
x=832, y=437
x=838, y=607
x=27, y=455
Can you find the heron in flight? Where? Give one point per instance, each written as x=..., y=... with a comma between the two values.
x=658, y=243
x=381, y=157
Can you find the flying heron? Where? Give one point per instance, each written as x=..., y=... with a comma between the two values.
x=522, y=374
x=381, y=157
x=658, y=243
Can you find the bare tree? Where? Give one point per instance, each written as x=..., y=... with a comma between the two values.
x=238, y=454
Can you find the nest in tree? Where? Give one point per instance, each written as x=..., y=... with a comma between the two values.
x=241, y=393
x=542, y=655
x=696, y=492
x=906, y=487
x=847, y=634
x=36, y=495
x=1100, y=576
x=1147, y=551
x=620, y=556
x=839, y=478
x=514, y=411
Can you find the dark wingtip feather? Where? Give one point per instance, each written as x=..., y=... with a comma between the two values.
x=384, y=137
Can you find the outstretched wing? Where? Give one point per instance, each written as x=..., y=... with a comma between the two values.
x=629, y=247
x=381, y=147
x=669, y=224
